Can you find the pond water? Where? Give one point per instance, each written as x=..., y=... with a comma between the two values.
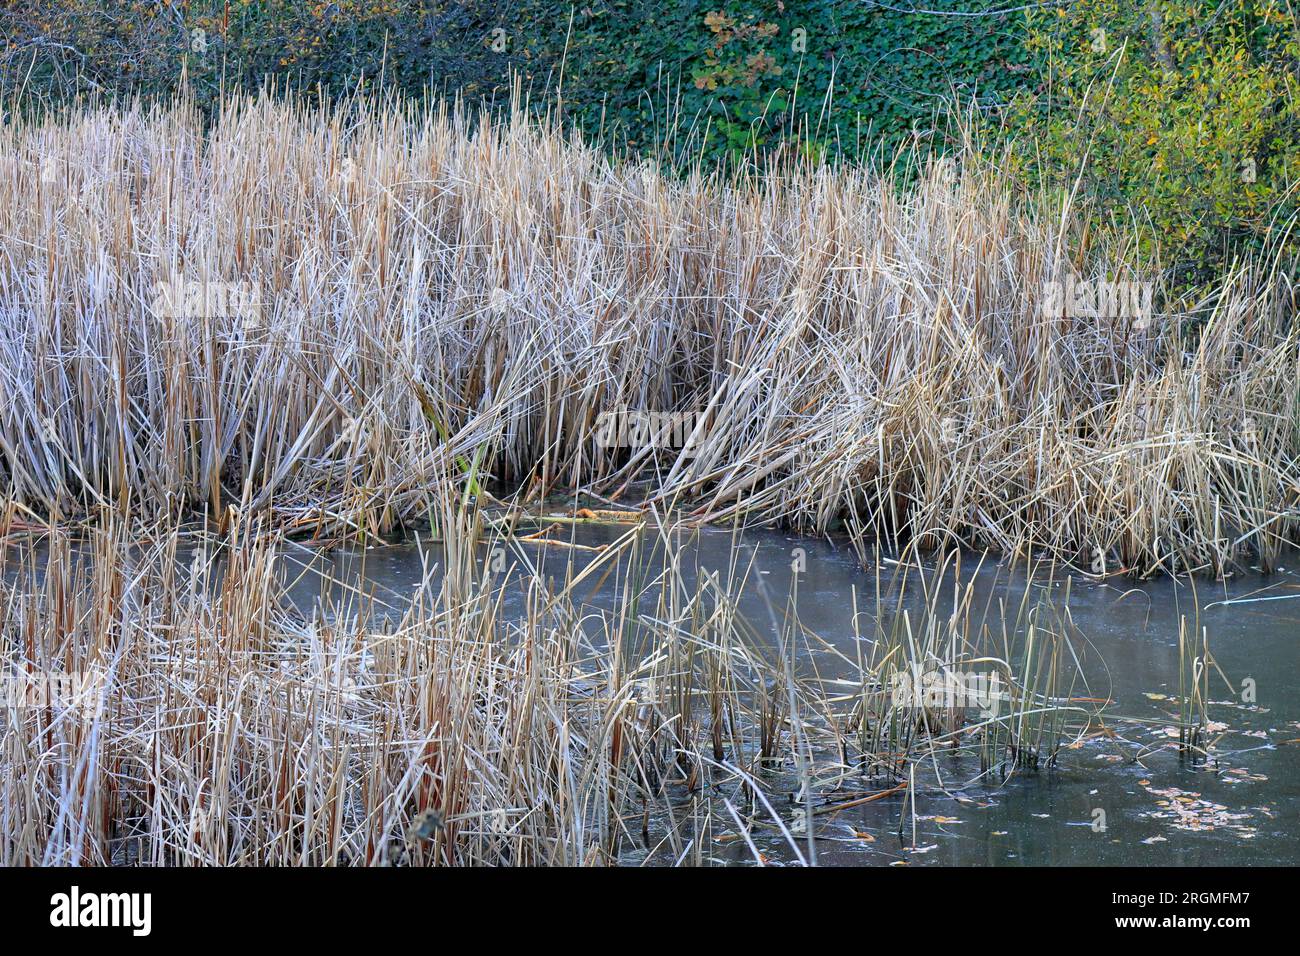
x=1238, y=808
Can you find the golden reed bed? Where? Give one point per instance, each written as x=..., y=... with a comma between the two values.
x=314, y=315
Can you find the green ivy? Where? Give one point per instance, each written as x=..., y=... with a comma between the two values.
x=701, y=77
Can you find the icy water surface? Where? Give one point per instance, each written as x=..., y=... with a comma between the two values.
x=1239, y=809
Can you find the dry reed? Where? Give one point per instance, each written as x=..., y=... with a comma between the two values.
x=219, y=723
x=431, y=290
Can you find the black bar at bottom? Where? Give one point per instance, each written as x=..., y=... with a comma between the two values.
x=298, y=906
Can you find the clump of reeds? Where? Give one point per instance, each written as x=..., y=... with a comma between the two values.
x=1008, y=678
x=223, y=724
x=1193, y=690
x=413, y=290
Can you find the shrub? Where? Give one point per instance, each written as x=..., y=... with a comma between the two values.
x=1180, y=119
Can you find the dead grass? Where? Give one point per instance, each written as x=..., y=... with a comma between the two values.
x=434, y=293
x=223, y=724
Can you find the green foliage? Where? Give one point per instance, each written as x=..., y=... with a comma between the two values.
x=57, y=50
x=1181, y=116
x=738, y=76
x=841, y=74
